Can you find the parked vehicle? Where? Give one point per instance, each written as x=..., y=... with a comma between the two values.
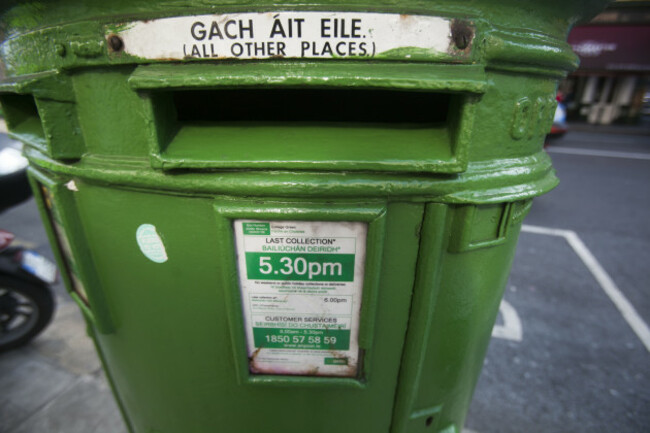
x=26, y=299
x=560, y=126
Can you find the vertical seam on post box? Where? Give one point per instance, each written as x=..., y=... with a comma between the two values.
x=37, y=178
x=111, y=383
x=425, y=290
x=86, y=272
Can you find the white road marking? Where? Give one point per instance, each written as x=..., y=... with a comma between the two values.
x=511, y=328
x=630, y=315
x=595, y=152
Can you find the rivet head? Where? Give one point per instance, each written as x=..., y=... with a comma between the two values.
x=461, y=34
x=115, y=43
x=59, y=49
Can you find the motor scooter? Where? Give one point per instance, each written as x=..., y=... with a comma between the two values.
x=26, y=299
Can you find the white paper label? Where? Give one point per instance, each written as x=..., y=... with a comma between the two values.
x=301, y=284
x=150, y=243
x=312, y=35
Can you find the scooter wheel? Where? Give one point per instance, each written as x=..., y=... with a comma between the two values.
x=25, y=310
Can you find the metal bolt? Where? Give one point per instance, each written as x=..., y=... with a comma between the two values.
x=461, y=33
x=115, y=43
x=462, y=41
x=59, y=49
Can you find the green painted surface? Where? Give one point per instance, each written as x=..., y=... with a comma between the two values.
x=365, y=147
x=113, y=131
x=159, y=363
x=119, y=142
x=341, y=73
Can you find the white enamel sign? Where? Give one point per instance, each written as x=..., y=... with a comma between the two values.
x=309, y=35
x=301, y=284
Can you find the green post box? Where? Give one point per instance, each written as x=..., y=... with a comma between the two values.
x=287, y=218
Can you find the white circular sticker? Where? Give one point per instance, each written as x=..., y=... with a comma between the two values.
x=150, y=243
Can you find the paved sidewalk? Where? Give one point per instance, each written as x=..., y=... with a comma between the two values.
x=55, y=384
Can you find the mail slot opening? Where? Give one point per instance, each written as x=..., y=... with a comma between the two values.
x=413, y=109
x=337, y=128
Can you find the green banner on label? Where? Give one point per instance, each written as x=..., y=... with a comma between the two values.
x=336, y=361
x=300, y=267
x=309, y=339
x=256, y=228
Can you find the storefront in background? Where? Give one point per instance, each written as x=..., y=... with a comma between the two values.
x=613, y=80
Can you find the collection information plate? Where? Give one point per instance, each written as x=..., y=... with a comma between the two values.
x=287, y=34
x=301, y=285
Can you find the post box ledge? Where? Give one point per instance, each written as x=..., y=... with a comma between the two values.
x=501, y=180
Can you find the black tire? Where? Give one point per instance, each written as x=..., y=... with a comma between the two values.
x=25, y=310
